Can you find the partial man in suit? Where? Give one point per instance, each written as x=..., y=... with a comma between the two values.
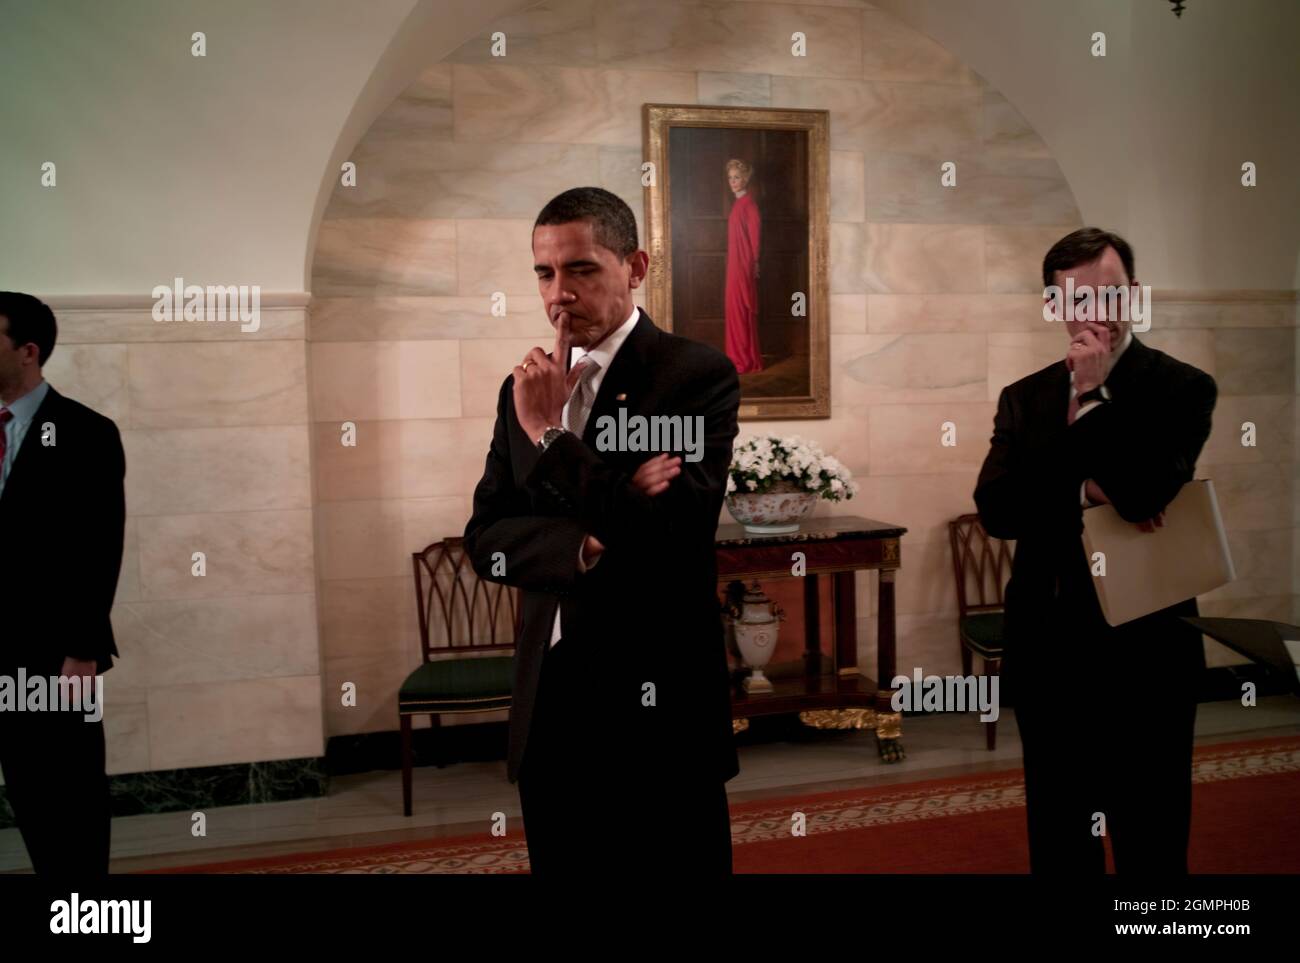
x=1105, y=714
x=620, y=728
x=62, y=513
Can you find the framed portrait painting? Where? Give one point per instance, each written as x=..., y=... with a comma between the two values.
x=737, y=231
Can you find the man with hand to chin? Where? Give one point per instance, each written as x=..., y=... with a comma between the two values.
x=1106, y=714
x=620, y=720
x=1089, y=359
x=546, y=389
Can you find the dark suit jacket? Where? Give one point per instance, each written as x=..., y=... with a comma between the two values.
x=648, y=611
x=62, y=517
x=1139, y=448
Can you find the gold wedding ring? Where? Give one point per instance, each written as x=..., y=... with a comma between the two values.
x=527, y=363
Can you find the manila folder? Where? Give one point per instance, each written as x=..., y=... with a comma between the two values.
x=1148, y=571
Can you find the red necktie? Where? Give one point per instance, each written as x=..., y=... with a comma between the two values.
x=6, y=416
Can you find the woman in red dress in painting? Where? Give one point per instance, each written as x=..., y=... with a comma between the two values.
x=742, y=272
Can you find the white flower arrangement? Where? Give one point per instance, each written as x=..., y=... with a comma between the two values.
x=759, y=463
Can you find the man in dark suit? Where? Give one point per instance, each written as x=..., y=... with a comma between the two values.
x=620, y=728
x=62, y=513
x=1105, y=714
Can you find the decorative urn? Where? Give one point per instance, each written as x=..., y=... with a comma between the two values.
x=756, y=625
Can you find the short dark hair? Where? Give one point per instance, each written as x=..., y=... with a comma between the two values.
x=613, y=223
x=30, y=321
x=1082, y=246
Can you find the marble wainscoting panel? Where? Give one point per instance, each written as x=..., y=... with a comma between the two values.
x=568, y=105
x=175, y=471
x=1252, y=496
x=849, y=314
x=246, y=554
x=733, y=89
x=1169, y=311
x=496, y=256
x=848, y=185
x=375, y=380
x=917, y=313
x=907, y=118
x=845, y=436
x=1015, y=256
x=425, y=106
x=410, y=458
x=94, y=374
x=906, y=368
x=907, y=258
x=1013, y=356
x=375, y=538
x=1255, y=361
x=729, y=37
x=620, y=173
x=1006, y=133
x=377, y=671
x=425, y=319
x=892, y=51
x=423, y=174
x=358, y=613
x=258, y=719
x=908, y=439
x=128, y=579
x=217, y=384
x=1273, y=418
x=1010, y=190
x=557, y=32
x=83, y=322
x=924, y=504
x=924, y=585
x=855, y=4
x=217, y=640
x=126, y=732
x=385, y=256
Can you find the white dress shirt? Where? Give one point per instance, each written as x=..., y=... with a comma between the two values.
x=1128, y=337
x=603, y=355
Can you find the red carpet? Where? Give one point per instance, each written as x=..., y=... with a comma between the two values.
x=1245, y=819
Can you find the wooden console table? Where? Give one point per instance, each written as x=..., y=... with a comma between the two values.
x=837, y=696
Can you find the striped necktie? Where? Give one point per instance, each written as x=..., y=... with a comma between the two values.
x=582, y=398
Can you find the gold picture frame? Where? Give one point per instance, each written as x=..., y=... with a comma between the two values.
x=781, y=388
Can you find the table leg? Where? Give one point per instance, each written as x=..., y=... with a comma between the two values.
x=846, y=625
x=889, y=724
x=812, y=626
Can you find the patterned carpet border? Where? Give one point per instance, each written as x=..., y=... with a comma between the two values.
x=838, y=811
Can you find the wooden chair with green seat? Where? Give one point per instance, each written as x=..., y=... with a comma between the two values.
x=982, y=566
x=463, y=620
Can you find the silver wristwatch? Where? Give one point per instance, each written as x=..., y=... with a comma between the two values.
x=549, y=435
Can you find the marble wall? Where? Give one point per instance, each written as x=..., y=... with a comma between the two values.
x=222, y=668
x=935, y=296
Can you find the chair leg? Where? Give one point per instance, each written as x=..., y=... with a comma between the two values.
x=439, y=757
x=992, y=667
x=965, y=660
x=406, y=763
